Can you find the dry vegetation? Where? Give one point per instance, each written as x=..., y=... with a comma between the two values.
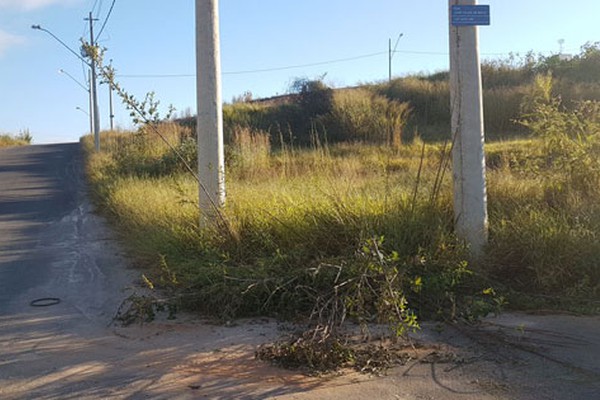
x=337, y=209
x=22, y=139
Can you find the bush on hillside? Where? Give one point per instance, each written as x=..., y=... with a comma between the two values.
x=362, y=116
x=314, y=97
x=23, y=138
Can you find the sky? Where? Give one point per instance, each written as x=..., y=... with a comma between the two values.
x=265, y=45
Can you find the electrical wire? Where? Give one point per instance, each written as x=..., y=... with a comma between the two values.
x=256, y=71
x=339, y=60
x=99, y=11
x=112, y=6
x=289, y=67
x=94, y=6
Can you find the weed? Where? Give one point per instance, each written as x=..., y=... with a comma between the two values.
x=23, y=138
x=330, y=219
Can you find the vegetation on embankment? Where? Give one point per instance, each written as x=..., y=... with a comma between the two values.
x=506, y=82
x=22, y=139
x=364, y=230
x=349, y=219
x=337, y=228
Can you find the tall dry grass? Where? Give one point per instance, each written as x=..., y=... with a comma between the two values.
x=22, y=139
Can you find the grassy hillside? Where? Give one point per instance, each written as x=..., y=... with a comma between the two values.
x=301, y=223
x=505, y=85
x=312, y=107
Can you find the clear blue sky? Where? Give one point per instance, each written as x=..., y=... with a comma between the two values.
x=156, y=37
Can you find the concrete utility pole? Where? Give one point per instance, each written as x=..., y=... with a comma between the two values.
x=470, y=197
x=211, y=157
x=110, y=104
x=91, y=102
x=93, y=86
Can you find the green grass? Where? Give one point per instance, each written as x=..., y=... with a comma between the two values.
x=363, y=228
x=295, y=211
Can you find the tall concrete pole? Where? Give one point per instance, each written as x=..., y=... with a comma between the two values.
x=211, y=158
x=91, y=102
x=93, y=87
x=470, y=196
x=390, y=60
x=110, y=103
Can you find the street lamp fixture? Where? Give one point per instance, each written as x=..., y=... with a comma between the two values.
x=82, y=110
x=95, y=120
x=392, y=53
x=39, y=28
x=88, y=89
x=62, y=71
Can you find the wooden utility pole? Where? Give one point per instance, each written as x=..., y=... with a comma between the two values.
x=470, y=196
x=211, y=158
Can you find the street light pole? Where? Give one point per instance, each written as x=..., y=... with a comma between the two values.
x=91, y=102
x=62, y=71
x=39, y=28
x=390, y=60
x=88, y=114
x=82, y=110
x=92, y=90
x=391, y=54
x=89, y=92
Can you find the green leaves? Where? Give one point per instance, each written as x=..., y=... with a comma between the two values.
x=571, y=136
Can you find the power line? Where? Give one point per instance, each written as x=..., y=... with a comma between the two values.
x=156, y=76
x=441, y=53
x=256, y=71
x=99, y=11
x=340, y=60
x=289, y=67
x=106, y=20
x=94, y=6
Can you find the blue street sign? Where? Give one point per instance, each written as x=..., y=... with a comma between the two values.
x=470, y=15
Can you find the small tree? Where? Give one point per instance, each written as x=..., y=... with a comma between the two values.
x=314, y=96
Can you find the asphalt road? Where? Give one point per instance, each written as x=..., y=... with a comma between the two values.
x=39, y=185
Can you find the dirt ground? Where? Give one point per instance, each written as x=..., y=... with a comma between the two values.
x=512, y=357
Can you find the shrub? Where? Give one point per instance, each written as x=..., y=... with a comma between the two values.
x=360, y=115
x=545, y=238
x=313, y=96
x=430, y=100
x=22, y=139
x=571, y=137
